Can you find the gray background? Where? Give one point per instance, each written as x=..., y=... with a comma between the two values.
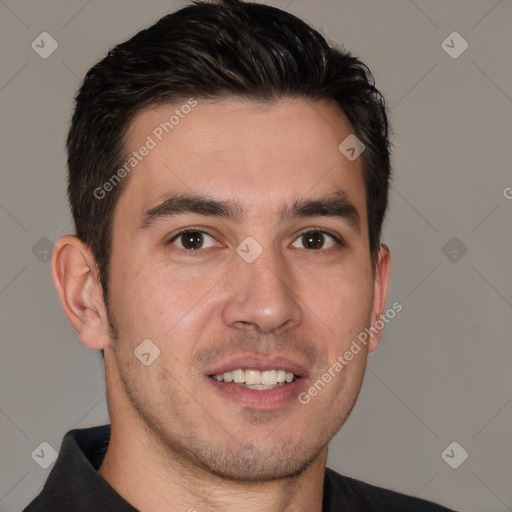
x=442, y=373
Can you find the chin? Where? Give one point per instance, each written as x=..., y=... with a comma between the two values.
x=249, y=463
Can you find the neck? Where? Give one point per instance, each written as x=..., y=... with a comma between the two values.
x=142, y=483
x=152, y=479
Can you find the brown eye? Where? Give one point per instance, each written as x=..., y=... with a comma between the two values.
x=193, y=240
x=315, y=240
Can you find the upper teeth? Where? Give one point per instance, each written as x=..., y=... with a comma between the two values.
x=267, y=377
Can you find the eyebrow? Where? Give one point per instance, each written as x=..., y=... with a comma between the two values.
x=335, y=205
x=186, y=203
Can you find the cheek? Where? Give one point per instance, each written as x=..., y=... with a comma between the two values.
x=163, y=303
x=340, y=298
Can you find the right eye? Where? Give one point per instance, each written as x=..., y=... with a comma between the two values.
x=193, y=240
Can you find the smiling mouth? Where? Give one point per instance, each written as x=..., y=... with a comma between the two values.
x=256, y=379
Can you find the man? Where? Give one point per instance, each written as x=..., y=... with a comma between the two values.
x=228, y=178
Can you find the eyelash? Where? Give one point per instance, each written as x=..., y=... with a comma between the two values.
x=340, y=243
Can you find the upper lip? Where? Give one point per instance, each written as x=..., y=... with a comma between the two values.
x=254, y=362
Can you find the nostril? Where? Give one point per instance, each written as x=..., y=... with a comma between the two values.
x=245, y=326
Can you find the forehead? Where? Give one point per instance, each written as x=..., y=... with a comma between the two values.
x=259, y=154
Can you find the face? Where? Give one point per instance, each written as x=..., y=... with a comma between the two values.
x=240, y=249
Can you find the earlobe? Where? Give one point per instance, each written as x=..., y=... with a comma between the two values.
x=380, y=293
x=74, y=274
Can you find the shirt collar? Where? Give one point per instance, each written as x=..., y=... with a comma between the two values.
x=74, y=482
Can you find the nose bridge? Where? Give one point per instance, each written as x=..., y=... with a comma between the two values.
x=262, y=292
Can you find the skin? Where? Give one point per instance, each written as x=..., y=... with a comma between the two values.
x=177, y=442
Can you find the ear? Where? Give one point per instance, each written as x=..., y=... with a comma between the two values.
x=380, y=292
x=75, y=275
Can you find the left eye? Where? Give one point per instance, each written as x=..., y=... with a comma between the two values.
x=193, y=240
x=315, y=239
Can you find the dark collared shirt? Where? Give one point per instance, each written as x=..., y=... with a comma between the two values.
x=75, y=485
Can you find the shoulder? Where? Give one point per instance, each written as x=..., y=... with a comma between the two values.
x=349, y=492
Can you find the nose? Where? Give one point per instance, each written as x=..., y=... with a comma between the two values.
x=262, y=295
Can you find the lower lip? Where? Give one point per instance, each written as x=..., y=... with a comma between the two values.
x=259, y=399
